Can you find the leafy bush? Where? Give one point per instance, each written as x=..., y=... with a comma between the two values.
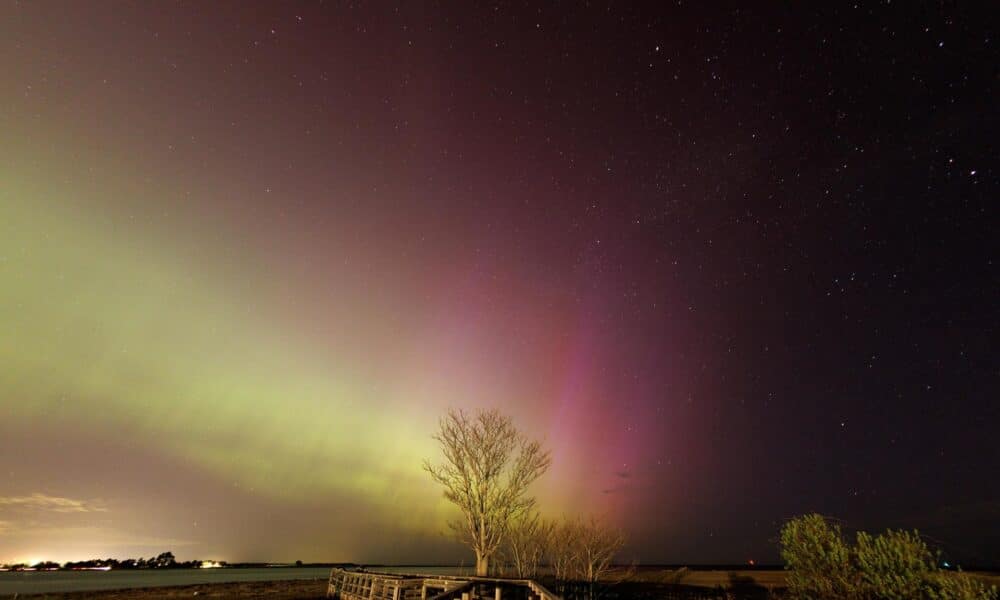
x=895, y=565
x=943, y=585
x=819, y=560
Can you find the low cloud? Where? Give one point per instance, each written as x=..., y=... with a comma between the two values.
x=46, y=503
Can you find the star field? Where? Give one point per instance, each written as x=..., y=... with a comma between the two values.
x=734, y=265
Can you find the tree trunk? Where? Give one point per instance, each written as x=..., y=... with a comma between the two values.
x=482, y=565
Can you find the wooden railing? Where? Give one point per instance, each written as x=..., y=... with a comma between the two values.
x=464, y=590
x=367, y=585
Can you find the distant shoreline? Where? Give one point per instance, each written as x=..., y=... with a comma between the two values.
x=183, y=568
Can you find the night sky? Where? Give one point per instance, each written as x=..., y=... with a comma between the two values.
x=731, y=265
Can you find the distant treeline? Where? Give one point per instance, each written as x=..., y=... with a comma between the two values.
x=165, y=560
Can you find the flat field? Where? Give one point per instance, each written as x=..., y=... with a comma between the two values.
x=272, y=590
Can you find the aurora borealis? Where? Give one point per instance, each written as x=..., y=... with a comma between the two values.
x=730, y=266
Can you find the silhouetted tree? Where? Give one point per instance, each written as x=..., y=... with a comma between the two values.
x=487, y=469
x=164, y=560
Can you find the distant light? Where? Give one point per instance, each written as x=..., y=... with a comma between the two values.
x=751, y=562
x=947, y=565
x=210, y=564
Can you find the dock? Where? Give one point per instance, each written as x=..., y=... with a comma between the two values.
x=347, y=584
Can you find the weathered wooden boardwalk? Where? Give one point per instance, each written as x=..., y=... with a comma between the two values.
x=365, y=585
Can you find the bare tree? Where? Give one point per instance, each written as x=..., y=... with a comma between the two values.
x=564, y=548
x=581, y=554
x=527, y=543
x=598, y=545
x=488, y=466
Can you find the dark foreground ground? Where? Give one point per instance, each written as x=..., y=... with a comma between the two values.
x=315, y=590
x=272, y=590
x=652, y=585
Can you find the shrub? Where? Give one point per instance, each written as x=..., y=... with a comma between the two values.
x=819, y=560
x=943, y=585
x=895, y=565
